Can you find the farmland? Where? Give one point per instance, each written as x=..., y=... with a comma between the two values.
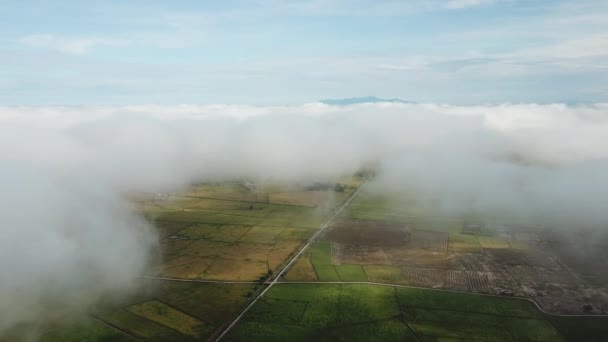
x=229, y=236
x=384, y=269
x=395, y=242
x=361, y=312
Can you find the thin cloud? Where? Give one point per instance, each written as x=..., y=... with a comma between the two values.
x=77, y=46
x=462, y=4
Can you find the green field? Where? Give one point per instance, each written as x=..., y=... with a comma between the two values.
x=356, y=312
x=84, y=329
x=223, y=232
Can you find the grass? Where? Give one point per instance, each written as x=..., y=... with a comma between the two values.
x=179, y=311
x=384, y=274
x=85, y=330
x=359, y=312
x=351, y=273
x=168, y=316
x=326, y=273
x=211, y=303
x=142, y=327
x=582, y=328
x=320, y=253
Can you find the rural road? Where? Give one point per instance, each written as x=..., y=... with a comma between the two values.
x=201, y=280
x=291, y=262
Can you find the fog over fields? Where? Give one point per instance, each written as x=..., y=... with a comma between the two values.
x=65, y=171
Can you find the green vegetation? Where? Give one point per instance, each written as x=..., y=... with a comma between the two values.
x=351, y=273
x=370, y=312
x=582, y=328
x=326, y=273
x=142, y=327
x=320, y=253
x=164, y=314
x=226, y=232
x=84, y=330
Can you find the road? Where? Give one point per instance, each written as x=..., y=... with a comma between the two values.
x=290, y=263
x=201, y=280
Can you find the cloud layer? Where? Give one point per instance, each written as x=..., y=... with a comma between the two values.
x=65, y=171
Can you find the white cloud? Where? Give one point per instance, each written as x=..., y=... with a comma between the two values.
x=461, y=4
x=526, y=160
x=70, y=45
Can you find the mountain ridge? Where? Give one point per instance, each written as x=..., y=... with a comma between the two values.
x=360, y=100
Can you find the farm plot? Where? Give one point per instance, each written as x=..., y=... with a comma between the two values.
x=358, y=255
x=169, y=317
x=367, y=312
x=82, y=329
x=326, y=199
x=219, y=239
x=431, y=240
x=427, y=277
x=368, y=233
x=178, y=311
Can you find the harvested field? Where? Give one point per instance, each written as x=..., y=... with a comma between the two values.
x=281, y=252
x=426, y=277
x=492, y=242
x=478, y=281
x=456, y=280
x=246, y=251
x=168, y=228
x=199, y=248
x=359, y=255
x=403, y=256
x=192, y=269
x=385, y=274
x=226, y=269
x=228, y=233
x=295, y=234
x=197, y=232
x=463, y=243
x=369, y=233
x=431, y=240
x=259, y=234
x=329, y=199
x=212, y=303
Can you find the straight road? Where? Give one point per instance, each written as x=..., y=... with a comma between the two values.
x=291, y=262
x=201, y=280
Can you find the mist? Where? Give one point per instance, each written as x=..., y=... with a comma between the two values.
x=66, y=171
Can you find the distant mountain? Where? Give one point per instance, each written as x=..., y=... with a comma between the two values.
x=357, y=100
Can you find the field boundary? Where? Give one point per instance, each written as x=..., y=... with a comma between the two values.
x=291, y=262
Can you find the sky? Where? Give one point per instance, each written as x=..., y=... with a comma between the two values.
x=271, y=52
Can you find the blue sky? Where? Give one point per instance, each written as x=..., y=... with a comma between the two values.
x=289, y=52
